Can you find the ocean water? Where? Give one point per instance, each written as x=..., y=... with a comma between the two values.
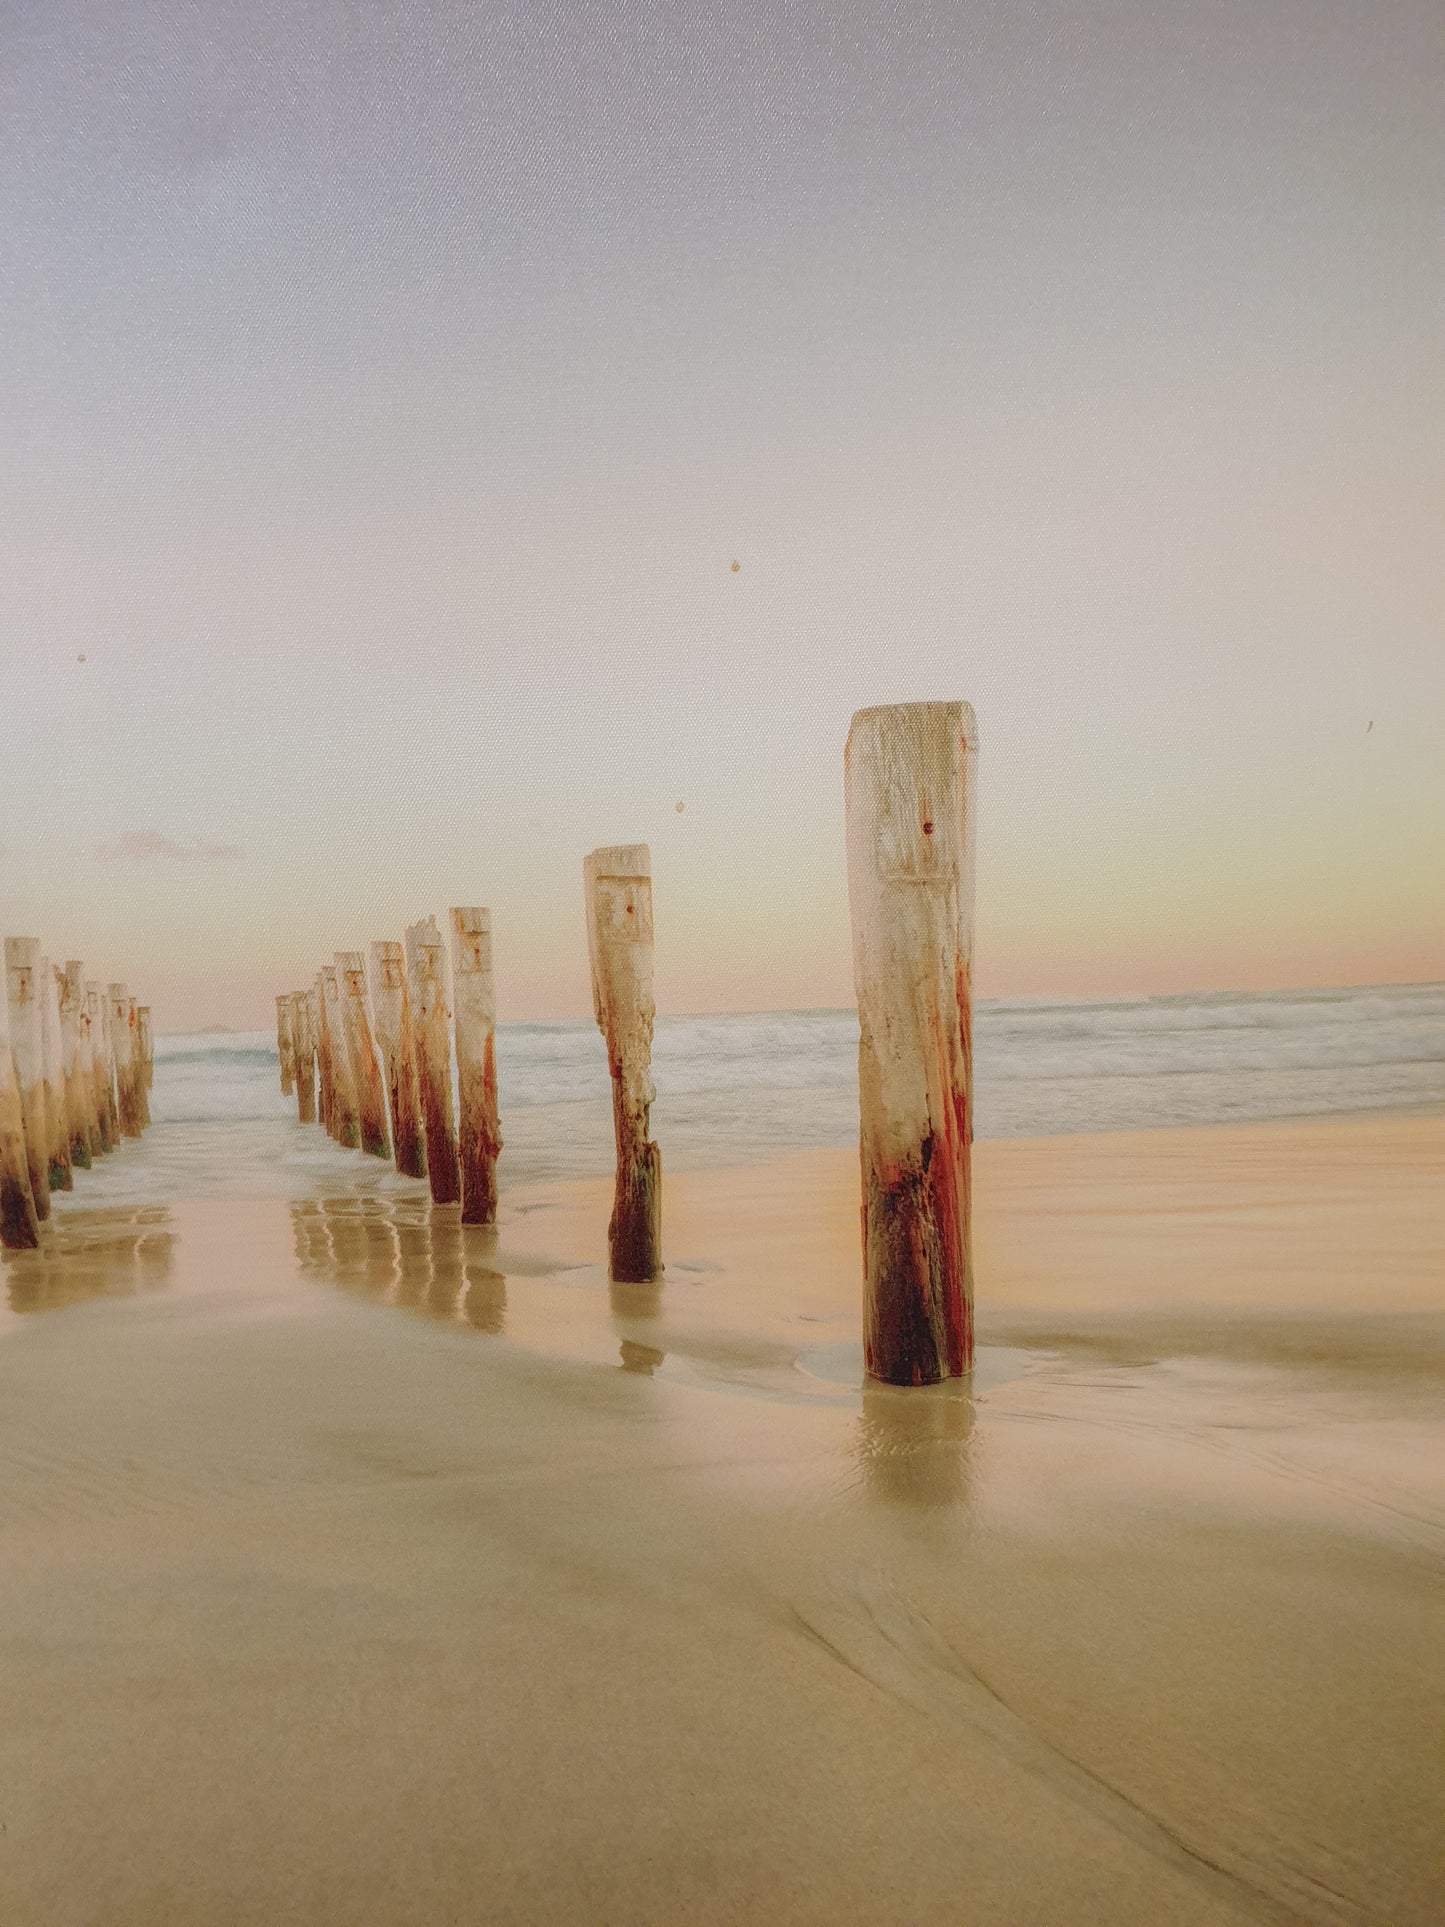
x=732, y=1089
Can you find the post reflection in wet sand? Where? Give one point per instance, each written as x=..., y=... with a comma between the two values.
x=484, y=1302
x=914, y=1443
x=99, y=1253
x=636, y=1319
x=405, y=1252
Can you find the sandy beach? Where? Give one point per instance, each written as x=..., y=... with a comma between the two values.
x=360, y=1569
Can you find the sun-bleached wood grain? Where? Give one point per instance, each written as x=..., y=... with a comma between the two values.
x=303, y=1057
x=140, y=1082
x=122, y=1045
x=85, y=1145
x=617, y=883
x=909, y=798
x=361, y=1050
x=97, y=1010
x=19, y=1223
x=57, y=1120
x=326, y=1082
x=431, y=1031
x=391, y=1007
x=479, y=1132
x=71, y=994
x=146, y=1033
x=285, y=1044
x=345, y=1109
x=22, y=977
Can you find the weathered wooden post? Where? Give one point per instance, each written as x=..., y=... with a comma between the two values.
x=618, y=884
x=909, y=777
x=147, y=1048
x=285, y=1043
x=22, y=979
x=346, y=1118
x=392, y=1005
x=479, y=1133
x=57, y=1125
x=77, y=1111
x=105, y=1066
x=97, y=1009
x=19, y=1222
x=361, y=1049
x=303, y=1057
x=313, y=1033
x=325, y=1075
x=120, y=1042
x=138, y=1069
x=426, y=985
x=88, y=1127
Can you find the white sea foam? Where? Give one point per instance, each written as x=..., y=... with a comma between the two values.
x=735, y=1088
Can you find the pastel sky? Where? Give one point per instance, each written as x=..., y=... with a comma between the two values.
x=389, y=390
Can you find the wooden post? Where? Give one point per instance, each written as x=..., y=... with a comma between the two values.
x=86, y=1147
x=426, y=985
x=97, y=1005
x=22, y=975
x=57, y=1124
x=618, y=884
x=303, y=1056
x=325, y=1076
x=909, y=776
x=285, y=1044
x=138, y=1069
x=147, y=1048
x=479, y=1133
x=361, y=1049
x=19, y=1221
x=76, y=1110
x=118, y=998
x=345, y=1117
x=395, y=1039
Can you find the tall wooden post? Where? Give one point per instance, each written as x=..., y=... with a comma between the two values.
x=118, y=998
x=76, y=1110
x=345, y=1116
x=909, y=774
x=426, y=986
x=285, y=1044
x=22, y=990
x=618, y=883
x=97, y=1009
x=57, y=1124
x=475, y=998
x=19, y=1222
x=303, y=1057
x=87, y=1140
x=361, y=1048
x=397, y=1044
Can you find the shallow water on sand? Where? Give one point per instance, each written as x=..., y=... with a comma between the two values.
x=368, y=1568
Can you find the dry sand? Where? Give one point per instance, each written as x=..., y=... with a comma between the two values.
x=347, y=1579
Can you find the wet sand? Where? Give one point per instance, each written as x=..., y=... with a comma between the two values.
x=362, y=1568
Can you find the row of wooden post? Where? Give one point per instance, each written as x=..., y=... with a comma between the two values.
x=378, y=1072
x=909, y=786
x=76, y=1069
x=381, y=1079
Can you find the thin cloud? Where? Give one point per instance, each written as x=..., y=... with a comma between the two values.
x=141, y=846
